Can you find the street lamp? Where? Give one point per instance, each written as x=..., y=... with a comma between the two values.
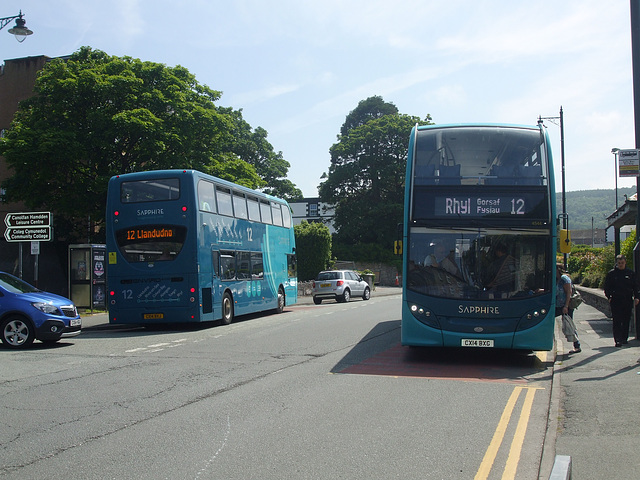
x=615, y=164
x=565, y=218
x=20, y=30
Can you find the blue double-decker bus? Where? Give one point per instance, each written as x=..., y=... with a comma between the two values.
x=479, y=238
x=188, y=247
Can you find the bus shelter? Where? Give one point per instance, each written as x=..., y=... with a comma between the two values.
x=87, y=275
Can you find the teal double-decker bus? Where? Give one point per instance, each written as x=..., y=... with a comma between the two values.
x=184, y=246
x=479, y=237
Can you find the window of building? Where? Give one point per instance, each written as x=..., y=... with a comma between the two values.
x=313, y=209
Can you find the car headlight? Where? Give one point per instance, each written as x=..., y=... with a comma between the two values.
x=47, y=308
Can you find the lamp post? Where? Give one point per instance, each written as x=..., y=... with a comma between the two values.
x=565, y=218
x=20, y=30
x=615, y=165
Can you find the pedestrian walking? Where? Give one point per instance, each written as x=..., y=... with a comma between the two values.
x=621, y=288
x=563, y=296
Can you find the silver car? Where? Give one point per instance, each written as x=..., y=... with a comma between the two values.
x=341, y=285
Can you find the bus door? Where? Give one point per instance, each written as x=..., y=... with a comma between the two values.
x=216, y=294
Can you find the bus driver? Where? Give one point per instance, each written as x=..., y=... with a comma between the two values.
x=440, y=259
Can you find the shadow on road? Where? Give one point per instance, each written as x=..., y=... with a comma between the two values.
x=380, y=353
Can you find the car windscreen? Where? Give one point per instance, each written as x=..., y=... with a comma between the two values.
x=15, y=285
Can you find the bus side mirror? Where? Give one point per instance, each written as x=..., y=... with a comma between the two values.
x=565, y=241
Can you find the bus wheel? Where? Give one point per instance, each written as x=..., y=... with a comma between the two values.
x=227, y=309
x=281, y=298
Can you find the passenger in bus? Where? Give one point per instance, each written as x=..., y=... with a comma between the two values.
x=441, y=258
x=502, y=271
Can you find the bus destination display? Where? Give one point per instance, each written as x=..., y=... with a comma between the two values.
x=529, y=205
x=146, y=233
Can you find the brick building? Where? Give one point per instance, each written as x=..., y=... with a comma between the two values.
x=17, y=79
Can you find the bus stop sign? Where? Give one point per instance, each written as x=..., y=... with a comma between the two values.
x=628, y=162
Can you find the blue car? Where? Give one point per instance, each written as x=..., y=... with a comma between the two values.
x=27, y=313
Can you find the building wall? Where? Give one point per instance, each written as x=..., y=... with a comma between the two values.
x=17, y=79
x=595, y=238
x=312, y=210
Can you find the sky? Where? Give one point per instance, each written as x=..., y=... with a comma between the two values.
x=297, y=68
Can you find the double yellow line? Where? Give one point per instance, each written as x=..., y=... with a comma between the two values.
x=518, y=438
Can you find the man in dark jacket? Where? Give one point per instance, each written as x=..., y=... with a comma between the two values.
x=621, y=288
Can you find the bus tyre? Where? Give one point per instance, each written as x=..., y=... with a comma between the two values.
x=367, y=294
x=281, y=300
x=17, y=332
x=227, y=309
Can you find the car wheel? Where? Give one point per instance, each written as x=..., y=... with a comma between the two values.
x=17, y=332
x=317, y=300
x=227, y=309
x=367, y=294
x=346, y=296
x=281, y=299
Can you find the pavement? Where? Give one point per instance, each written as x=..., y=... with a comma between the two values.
x=595, y=397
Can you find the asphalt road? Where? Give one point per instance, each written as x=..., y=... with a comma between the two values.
x=318, y=392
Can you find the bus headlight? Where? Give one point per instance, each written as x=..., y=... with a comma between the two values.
x=531, y=319
x=424, y=315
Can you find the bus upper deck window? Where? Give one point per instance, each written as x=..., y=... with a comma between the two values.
x=265, y=210
x=206, y=200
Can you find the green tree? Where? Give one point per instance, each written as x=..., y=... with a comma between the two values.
x=94, y=116
x=365, y=183
x=369, y=109
x=313, y=249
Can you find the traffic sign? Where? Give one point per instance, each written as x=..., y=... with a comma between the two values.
x=28, y=234
x=28, y=219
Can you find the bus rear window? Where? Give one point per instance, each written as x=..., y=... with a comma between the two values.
x=154, y=190
x=151, y=243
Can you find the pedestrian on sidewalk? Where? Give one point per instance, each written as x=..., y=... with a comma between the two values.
x=563, y=295
x=621, y=288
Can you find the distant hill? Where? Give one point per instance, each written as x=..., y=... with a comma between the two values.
x=583, y=205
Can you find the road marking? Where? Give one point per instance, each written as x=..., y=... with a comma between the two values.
x=509, y=472
x=542, y=355
x=158, y=347
x=518, y=438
